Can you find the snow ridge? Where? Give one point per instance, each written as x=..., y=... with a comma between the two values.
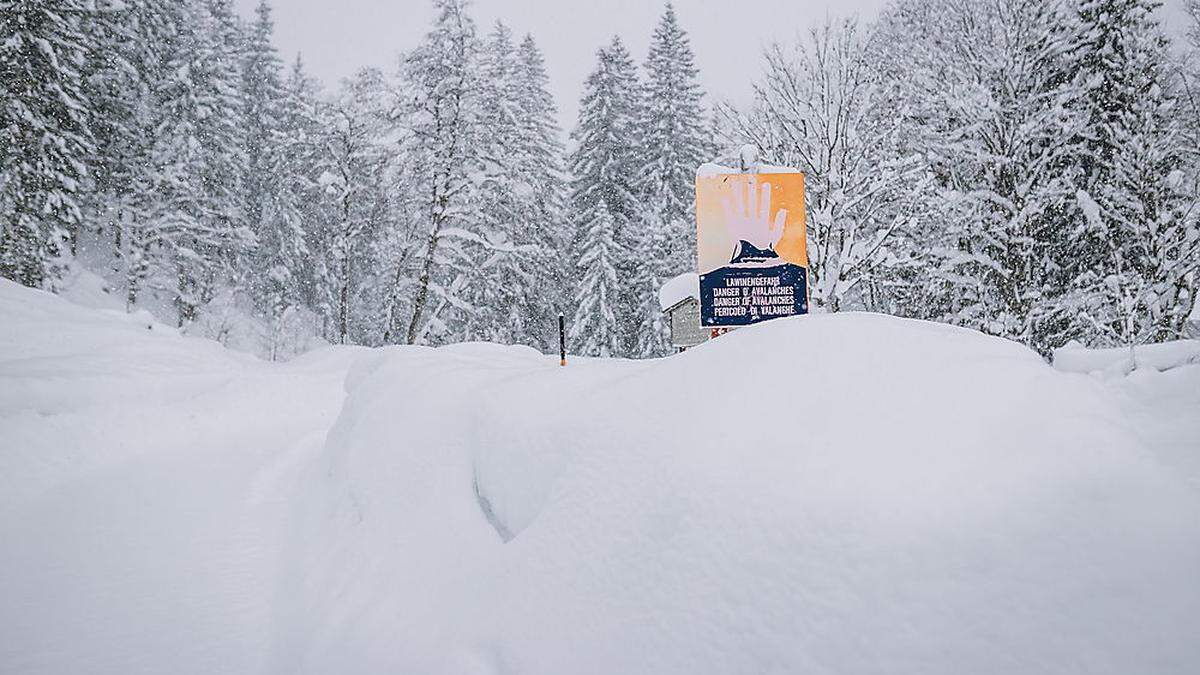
x=831, y=493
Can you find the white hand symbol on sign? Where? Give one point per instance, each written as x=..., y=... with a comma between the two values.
x=748, y=215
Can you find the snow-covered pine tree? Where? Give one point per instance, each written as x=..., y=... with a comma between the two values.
x=262, y=94
x=1189, y=99
x=129, y=160
x=505, y=259
x=604, y=189
x=302, y=135
x=1189, y=112
x=440, y=107
x=650, y=324
x=595, y=328
x=1141, y=252
x=121, y=47
x=169, y=197
x=513, y=297
x=674, y=141
x=674, y=138
x=45, y=138
x=541, y=170
x=1192, y=7
x=193, y=215
x=223, y=134
x=270, y=196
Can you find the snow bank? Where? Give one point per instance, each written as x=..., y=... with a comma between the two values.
x=1164, y=408
x=1075, y=358
x=56, y=356
x=833, y=493
x=229, y=317
x=838, y=493
x=144, y=482
x=678, y=289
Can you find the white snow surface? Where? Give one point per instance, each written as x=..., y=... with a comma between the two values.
x=842, y=493
x=1121, y=360
x=709, y=169
x=679, y=288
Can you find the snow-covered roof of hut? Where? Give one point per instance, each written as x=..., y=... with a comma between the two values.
x=679, y=289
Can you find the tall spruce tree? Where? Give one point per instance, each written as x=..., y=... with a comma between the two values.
x=300, y=147
x=262, y=95
x=223, y=134
x=1190, y=85
x=130, y=158
x=194, y=218
x=674, y=142
x=595, y=327
x=270, y=190
x=506, y=254
x=1140, y=253
x=604, y=194
x=121, y=39
x=541, y=169
x=45, y=137
x=519, y=198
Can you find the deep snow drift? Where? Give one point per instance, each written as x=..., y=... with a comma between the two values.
x=846, y=493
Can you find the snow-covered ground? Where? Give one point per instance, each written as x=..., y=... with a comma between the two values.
x=144, y=478
x=95, y=278
x=1119, y=361
x=834, y=493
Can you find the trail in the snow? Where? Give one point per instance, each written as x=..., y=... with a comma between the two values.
x=147, y=480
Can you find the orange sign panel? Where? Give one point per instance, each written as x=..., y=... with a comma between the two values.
x=751, y=247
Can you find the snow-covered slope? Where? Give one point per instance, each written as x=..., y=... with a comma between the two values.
x=144, y=480
x=833, y=493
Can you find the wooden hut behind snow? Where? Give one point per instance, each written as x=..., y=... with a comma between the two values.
x=679, y=299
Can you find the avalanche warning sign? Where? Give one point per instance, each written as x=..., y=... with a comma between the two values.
x=751, y=247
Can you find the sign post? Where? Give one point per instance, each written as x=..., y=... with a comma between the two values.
x=751, y=247
x=562, y=340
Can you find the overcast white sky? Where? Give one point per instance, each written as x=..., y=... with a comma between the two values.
x=336, y=37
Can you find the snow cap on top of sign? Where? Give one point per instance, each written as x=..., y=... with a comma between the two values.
x=730, y=159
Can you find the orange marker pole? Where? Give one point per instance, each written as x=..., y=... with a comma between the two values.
x=562, y=340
